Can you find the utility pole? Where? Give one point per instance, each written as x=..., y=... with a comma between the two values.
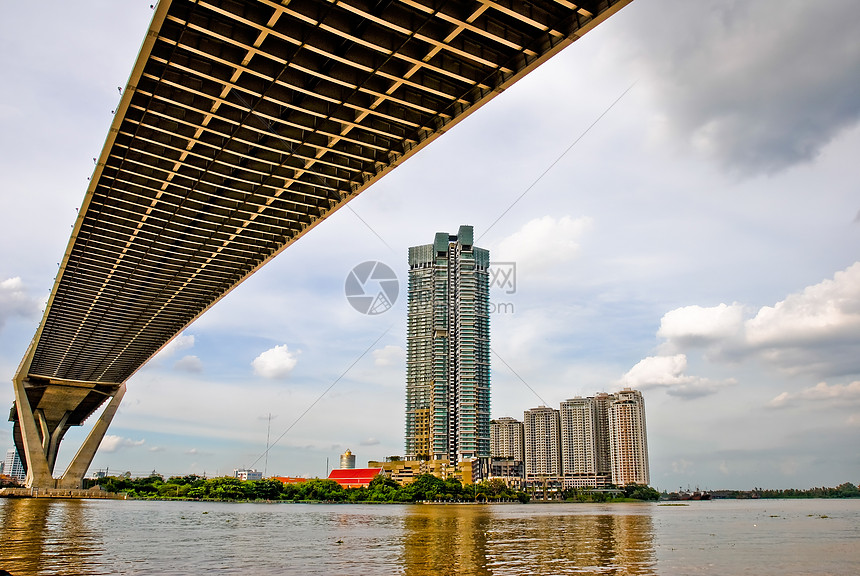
x=266, y=461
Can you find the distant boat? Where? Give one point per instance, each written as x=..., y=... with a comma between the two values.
x=697, y=495
x=688, y=495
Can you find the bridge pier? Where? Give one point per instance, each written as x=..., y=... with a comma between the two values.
x=40, y=438
x=38, y=472
x=74, y=475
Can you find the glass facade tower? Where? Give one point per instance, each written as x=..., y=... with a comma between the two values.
x=448, y=350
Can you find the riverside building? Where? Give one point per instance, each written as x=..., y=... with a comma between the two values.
x=628, y=438
x=448, y=350
x=506, y=438
x=507, y=450
x=542, y=444
x=587, y=443
x=13, y=466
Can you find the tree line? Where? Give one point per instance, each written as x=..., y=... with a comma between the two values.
x=846, y=490
x=425, y=487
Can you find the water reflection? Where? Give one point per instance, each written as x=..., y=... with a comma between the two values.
x=44, y=536
x=446, y=540
x=487, y=540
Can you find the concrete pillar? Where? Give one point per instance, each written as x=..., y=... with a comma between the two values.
x=54, y=444
x=38, y=471
x=43, y=427
x=74, y=475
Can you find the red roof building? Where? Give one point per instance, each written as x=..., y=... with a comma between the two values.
x=354, y=477
x=289, y=480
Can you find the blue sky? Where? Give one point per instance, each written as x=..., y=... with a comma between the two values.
x=701, y=243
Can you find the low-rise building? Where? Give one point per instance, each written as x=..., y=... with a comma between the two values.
x=289, y=479
x=354, y=477
x=247, y=474
x=512, y=472
x=404, y=471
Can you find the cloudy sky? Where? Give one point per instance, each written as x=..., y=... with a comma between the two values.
x=701, y=242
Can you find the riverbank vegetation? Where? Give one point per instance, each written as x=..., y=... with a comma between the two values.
x=424, y=488
x=846, y=490
x=629, y=493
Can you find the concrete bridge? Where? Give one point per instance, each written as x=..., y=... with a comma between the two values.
x=244, y=124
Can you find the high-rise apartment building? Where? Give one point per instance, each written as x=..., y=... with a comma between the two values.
x=13, y=466
x=628, y=441
x=542, y=443
x=601, y=433
x=588, y=442
x=448, y=350
x=506, y=438
x=578, y=431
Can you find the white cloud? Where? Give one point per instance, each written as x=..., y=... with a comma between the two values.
x=369, y=442
x=700, y=326
x=189, y=363
x=815, y=331
x=112, y=443
x=657, y=371
x=15, y=301
x=827, y=311
x=275, y=362
x=834, y=395
x=390, y=355
x=543, y=243
x=179, y=344
x=669, y=372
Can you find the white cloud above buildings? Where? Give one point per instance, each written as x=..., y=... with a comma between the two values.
x=389, y=355
x=275, y=363
x=822, y=394
x=189, y=363
x=697, y=326
x=16, y=301
x=543, y=244
x=669, y=372
x=181, y=343
x=812, y=331
x=113, y=443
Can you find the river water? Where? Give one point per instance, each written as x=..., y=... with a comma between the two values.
x=779, y=537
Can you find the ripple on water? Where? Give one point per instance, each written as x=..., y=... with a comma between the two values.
x=140, y=537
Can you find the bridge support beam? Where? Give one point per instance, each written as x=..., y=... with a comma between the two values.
x=38, y=470
x=74, y=475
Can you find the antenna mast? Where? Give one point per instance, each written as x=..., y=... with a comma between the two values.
x=266, y=462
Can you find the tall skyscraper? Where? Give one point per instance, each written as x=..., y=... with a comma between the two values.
x=628, y=440
x=542, y=436
x=448, y=350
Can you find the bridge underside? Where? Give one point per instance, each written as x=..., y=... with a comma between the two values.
x=243, y=125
